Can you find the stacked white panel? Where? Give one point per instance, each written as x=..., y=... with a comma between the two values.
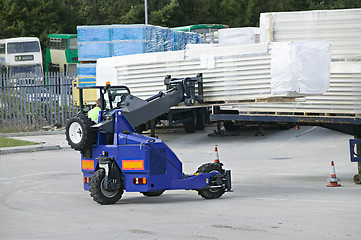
x=341, y=28
x=230, y=73
x=342, y=99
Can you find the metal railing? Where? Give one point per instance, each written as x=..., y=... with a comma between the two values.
x=28, y=102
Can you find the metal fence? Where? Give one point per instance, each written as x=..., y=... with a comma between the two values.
x=29, y=102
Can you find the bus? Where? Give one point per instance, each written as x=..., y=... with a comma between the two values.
x=208, y=32
x=20, y=56
x=61, y=53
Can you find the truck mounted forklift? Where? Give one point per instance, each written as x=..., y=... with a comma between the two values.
x=115, y=158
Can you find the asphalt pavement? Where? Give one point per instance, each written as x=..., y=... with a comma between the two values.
x=279, y=191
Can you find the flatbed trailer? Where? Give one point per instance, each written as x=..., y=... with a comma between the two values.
x=345, y=123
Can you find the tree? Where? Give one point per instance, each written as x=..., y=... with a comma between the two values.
x=165, y=15
x=42, y=17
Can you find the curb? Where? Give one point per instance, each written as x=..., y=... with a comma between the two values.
x=22, y=134
x=29, y=149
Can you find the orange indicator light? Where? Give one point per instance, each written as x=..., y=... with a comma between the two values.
x=133, y=165
x=87, y=164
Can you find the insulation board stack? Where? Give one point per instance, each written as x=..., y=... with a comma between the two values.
x=86, y=70
x=118, y=40
x=342, y=99
x=182, y=39
x=237, y=36
x=341, y=28
x=235, y=73
x=229, y=73
x=240, y=76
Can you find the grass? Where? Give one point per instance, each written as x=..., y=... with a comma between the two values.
x=10, y=142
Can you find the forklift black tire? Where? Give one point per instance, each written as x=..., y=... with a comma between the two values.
x=357, y=179
x=101, y=195
x=153, y=194
x=209, y=193
x=78, y=132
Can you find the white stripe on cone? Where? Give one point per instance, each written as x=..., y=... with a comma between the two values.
x=333, y=179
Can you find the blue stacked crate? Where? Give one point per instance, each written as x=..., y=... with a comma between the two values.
x=118, y=40
x=183, y=40
x=128, y=39
x=135, y=39
x=193, y=38
x=94, y=42
x=86, y=71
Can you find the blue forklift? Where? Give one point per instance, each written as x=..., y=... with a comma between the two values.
x=116, y=158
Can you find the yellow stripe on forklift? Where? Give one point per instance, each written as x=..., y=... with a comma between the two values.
x=87, y=164
x=132, y=164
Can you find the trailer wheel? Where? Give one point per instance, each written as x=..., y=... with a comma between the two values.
x=99, y=193
x=357, y=179
x=153, y=194
x=211, y=193
x=78, y=132
x=191, y=126
x=228, y=125
x=201, y=118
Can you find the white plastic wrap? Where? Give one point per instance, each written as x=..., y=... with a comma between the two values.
x=341, y=28
x=200, y=46
x=300, y=68
x=238, y=36
x=106, y=72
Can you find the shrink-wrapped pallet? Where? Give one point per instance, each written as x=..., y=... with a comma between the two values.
x=300, y=68
x=86, y=69
x=118, y=40
x=341, y=28
x=238, y=36
x=94, y=42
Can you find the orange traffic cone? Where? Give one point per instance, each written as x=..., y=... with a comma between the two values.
x=216, y=156
x=333, y=179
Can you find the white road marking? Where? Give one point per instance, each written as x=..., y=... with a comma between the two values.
x=31, y=175
x=294, y=138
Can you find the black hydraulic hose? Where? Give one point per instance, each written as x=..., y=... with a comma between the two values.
x=160, y=94
x=154, y=97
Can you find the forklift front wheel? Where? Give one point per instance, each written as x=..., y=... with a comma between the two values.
x=213, y=190
x=99, y=193
x=78, y=132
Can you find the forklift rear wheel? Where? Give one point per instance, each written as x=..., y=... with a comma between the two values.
x=216, y=192
x=153, y=194
x=357, y=179
x=78, y=132
x=99, y=193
